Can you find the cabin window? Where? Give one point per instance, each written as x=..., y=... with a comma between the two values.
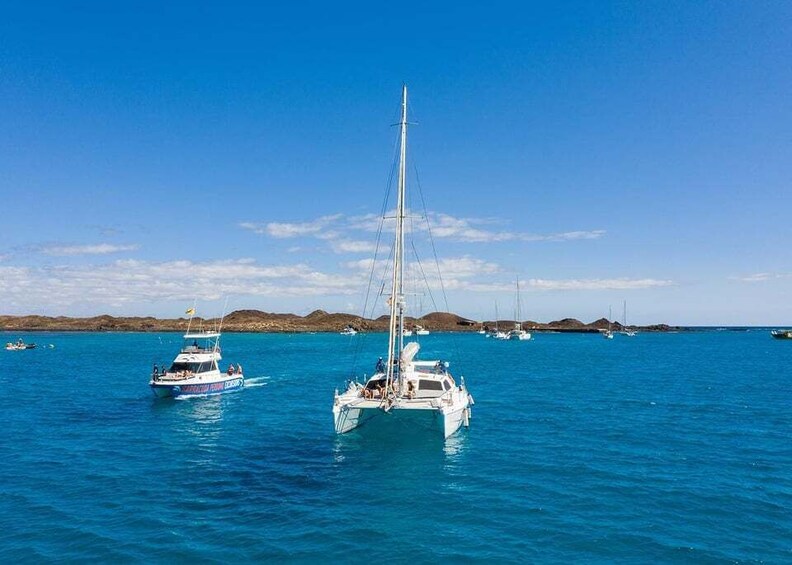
x=193, y=367
x=430, y=385
x=446, y=385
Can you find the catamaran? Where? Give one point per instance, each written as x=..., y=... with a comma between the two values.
x=195, y=371
x=518, y=334
x=420, y=393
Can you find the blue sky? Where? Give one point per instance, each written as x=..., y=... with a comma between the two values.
x=598, y=151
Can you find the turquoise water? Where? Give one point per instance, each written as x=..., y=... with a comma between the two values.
x=672, y=447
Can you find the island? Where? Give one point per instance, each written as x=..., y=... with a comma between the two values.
x=316, y=321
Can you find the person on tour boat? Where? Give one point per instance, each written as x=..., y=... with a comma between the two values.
x=380, y=368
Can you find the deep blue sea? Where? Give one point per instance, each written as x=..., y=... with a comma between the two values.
x=658, y=448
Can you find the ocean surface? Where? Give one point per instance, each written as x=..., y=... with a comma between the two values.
x=658, y=448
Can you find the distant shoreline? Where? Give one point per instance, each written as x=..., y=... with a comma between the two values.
x=256, y=321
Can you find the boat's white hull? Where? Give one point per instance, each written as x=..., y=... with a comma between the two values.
x=439, y=416
x=525, y=336
x=197, y=386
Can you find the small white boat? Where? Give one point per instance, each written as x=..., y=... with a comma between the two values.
x=403, y=390
x=420, y=330
x=195, y=370
x=407, y=333
x=349, y=330
x=19, y=346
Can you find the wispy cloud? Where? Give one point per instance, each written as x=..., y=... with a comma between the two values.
x=283, y=230
x=443, y=226
x=352, y=246
x=761, y=277
x=94, y=249
x=598, y=284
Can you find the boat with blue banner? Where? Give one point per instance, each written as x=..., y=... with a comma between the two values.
x=196, y=370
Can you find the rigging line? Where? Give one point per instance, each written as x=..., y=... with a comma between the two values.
x=434, y=252
x=425, y=278
x=383, y=209
x=431, y=238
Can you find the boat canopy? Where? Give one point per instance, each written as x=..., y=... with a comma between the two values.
x=410, y=351
x=201, y=335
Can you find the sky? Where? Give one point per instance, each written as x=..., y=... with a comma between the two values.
x=599, y=152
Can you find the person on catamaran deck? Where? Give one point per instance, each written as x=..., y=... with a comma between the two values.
x=239, y=369
x=380, y=368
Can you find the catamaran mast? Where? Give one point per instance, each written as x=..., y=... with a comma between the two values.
x=396, y=333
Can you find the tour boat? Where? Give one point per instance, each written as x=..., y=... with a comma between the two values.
x=420, y=330
x=19, y=346
x=781, y=334
x=195, y=370
x=403, y=389
x=349, y=330
x=518, y=334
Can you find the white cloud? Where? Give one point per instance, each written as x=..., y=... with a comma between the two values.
x=598, y=284
x=761, y=277
x=352, y=246
x=282, y=230
x=132, y=281
x=95, y=249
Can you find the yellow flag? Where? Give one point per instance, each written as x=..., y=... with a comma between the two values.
x=190, y=312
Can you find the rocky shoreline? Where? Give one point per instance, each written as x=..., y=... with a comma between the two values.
x=317, y=321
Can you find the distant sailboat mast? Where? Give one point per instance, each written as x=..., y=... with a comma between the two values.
x=518, y=322
x=396, y=333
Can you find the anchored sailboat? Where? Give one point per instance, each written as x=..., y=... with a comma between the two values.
x=518, y=333
x=420, y=392
x=608, y=334
x=625, y=330
x=496, y=333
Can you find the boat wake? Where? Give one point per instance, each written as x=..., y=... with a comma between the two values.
x=254, y=382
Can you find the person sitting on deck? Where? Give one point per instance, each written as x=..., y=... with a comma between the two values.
x=231, y=369
x=239, y=369
x=156, y=371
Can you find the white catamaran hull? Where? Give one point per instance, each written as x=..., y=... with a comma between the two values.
x=435, y=414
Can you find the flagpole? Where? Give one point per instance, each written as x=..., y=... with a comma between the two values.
x=191, y=312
